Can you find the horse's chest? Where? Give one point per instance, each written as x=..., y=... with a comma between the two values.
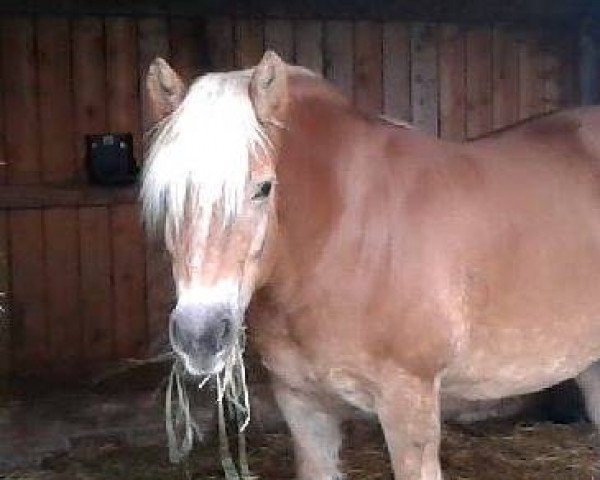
x=321, y=377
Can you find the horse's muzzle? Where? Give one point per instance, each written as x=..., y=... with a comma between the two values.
x=202, y=335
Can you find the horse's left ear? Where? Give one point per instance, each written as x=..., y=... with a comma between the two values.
x=269, y=89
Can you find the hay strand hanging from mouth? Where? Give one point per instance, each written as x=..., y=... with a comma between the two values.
x=232, y=389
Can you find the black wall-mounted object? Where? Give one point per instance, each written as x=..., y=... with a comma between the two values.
x=110, y=159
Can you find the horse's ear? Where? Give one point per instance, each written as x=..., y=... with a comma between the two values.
x=269, y=89
x=164, y=91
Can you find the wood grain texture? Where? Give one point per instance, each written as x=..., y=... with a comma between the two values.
x=130, y=327
x=187, y=45
x=249, y=42
x=479, y=81
x=308, y=44
x=505, y=76
x=338, y=55
x=89, y=85
x=30, y=332
x=55, y=100
x=220, y=40
x=424, y=77
x=396, y=70
x=453, y=91
x=368, y=45
x=279, y=37
x=531, y=84
x=19, y=98
x=61, y=256
x=96, y=291
x=122, y=79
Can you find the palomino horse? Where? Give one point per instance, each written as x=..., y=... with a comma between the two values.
x=376, y=266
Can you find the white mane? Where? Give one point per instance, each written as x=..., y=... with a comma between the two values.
x=200, y=159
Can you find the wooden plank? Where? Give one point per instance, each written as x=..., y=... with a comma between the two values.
x=28, y=313
x=5, y=322
x=89, y=84
x=55, y=100
x=15, y=197
x=531, y=86
x=308, y=44
x=396, y=70
x=479, y=81
x=19, y=98
x=187, y=47
x=368, y=87
x=505, y=109
x=153, y=42
x=424, y=77
x=61, y=255
x=249, y=42
x=5, y=311
x=220, y=43
x=338, y=55
x=130, y=328
x=89, y=70
x=279, y=37
x=453, y=92
x=96, y=292
x=122, y=79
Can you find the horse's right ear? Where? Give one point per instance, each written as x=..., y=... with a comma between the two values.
x=164, y=91
x=269, y=89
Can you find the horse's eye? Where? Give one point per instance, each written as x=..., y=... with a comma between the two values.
x=263, y=190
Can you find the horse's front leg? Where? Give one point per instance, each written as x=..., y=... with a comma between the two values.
x=315, y=431
x=409, y=412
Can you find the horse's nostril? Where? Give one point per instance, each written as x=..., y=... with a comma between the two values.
x=223, y=332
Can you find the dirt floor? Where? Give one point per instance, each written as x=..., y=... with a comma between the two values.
x=485, y=451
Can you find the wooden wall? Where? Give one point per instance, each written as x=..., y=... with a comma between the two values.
x=84, y=286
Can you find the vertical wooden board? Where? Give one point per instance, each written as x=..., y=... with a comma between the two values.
x=220, y=43
x=479, y=81
x=154, y=41
x=130, y=334
x=89, y=84
x=308, y=44
x=5, y=313
x=187, y=47
x=424, y=77
x=279, y=37
x=550, y=72
x=453, y=92
x=505, y=110
x=249, y=42
x=55, y=100
x=531, y=87
x=28, y=313
x=128, y=268
x=96, y=292
x=338, y=55
x=122, y=78
x=19, y=99
x=160, y=291
x=61, y=248
x=396, y=70
x=368, y=87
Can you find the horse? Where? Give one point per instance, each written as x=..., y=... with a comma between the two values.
x=372, y=265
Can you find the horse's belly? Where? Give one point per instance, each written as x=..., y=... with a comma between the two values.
x=515, y=367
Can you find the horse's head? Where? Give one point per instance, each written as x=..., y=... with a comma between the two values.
x=209, y=187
